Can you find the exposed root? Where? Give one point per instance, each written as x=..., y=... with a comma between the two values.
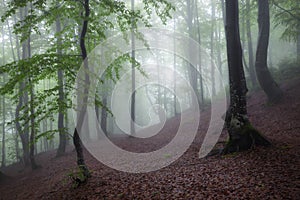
x=247, y=138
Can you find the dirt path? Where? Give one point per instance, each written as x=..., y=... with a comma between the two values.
x=263, y=173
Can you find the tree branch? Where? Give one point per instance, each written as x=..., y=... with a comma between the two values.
x=287, y=11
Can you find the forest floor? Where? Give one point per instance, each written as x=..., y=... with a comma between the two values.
x=262, y=173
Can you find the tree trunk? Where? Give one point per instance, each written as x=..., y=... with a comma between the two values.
x=32, y=111
x=132, y=121
x=264, y=77
x=212, y=39
x=104, y=114
x=250, y=48
x=192, y=73
x=76, y=139
x=174, y=66
x=3, y=108
x=23, y=100
x=298, y=43
x=32, y=121
x=242, y=135
x=60, y=75
x=200, y=56
x=16, y=140
x=3, y=133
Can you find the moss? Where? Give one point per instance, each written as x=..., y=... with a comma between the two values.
x=286, y=147
x=245, y=138
x=249, y=129
x=230, y=155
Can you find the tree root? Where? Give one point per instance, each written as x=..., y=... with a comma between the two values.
x=248, y=138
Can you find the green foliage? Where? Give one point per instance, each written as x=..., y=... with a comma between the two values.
x=77, y=177
x=35, y=20
x=287, y=14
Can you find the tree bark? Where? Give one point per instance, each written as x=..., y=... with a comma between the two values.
x=23, y=100
x=212, y=39
x=3, y=160
x=32, y=141
x=60, y=75
x=264, y=77
x=242, y=136
x=200, y=56
x=104, y=114
x=250, y=47
x=192, y=72
x=76, y=139
x=174, y=67
x=132, y=121
x=298, y=43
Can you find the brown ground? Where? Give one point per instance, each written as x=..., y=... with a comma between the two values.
x=262, y=173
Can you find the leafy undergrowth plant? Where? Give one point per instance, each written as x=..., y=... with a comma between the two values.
x=77, y=177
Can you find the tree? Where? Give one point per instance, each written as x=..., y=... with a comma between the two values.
x=3, y=112
x=264, y=77
x=212, y=40
x=200, y=56
x=192, y=72
x=60, y=76
x=250, y=48
x=35, y=105
x=32, y=140
x=242, y=135
x=22, y=102
x=76, y=139
x=132, y=111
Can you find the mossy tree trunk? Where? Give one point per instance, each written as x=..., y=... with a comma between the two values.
x=242, y=135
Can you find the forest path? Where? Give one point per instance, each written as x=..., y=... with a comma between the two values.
x=263, y=173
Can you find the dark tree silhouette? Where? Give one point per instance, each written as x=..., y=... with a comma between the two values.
x=242, y=135
x=264, y=77
x=76, y=139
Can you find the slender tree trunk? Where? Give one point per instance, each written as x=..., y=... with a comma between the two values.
x=242, y=135
x=200, y=56
x=76, y=139
x=192, y=73
x=298, y=43
x=250, y=48
x=60, y=75
x=3, y=159
x=223, y=12
x=14, y=132
x=11, y=41
x=243, y=39
x=23, y=100
x=32, y=121
x=212, y=40
x=104, y=114
x=132, y=121
x=174, y=66
x=264, y=77
x=219, y=52
x=3, y=109
x=32, y=141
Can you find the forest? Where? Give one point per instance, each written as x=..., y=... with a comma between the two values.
x=149, y=99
